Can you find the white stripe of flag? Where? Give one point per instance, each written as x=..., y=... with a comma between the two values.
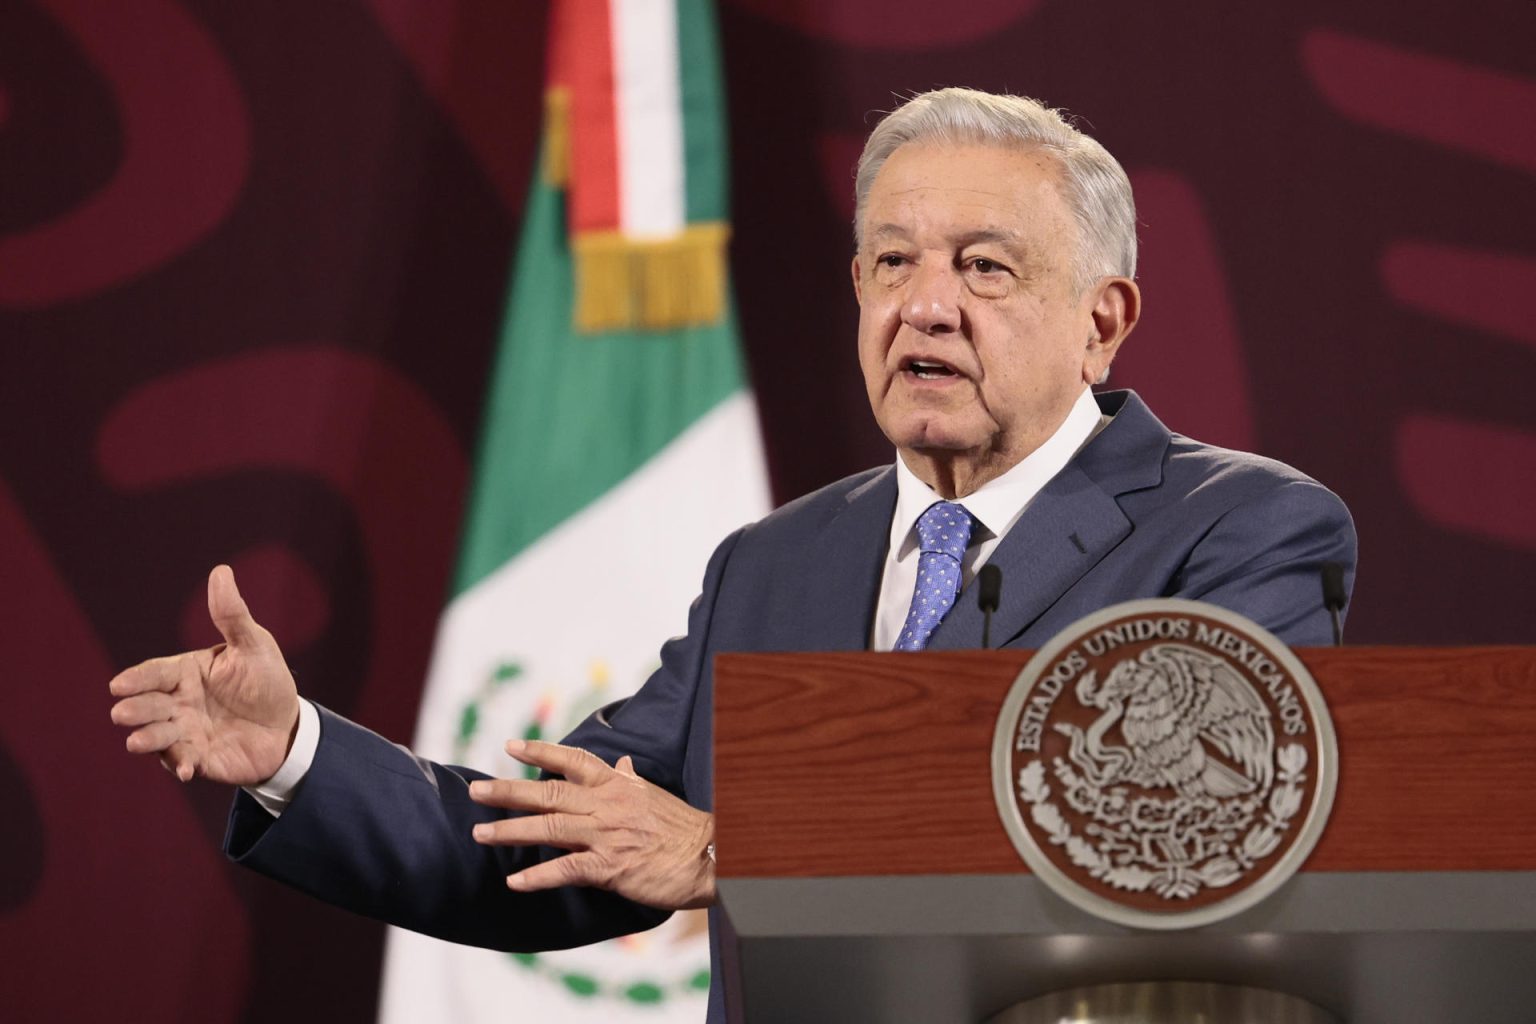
x=648, y=112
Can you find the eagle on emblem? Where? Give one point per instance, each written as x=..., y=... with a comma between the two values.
x=1175, y=704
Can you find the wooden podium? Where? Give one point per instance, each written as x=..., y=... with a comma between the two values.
x=867, y=877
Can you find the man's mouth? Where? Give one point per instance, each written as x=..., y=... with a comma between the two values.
x=925, y=369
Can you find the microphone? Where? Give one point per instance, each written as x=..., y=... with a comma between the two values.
x=1334, y=597
x=989, y=591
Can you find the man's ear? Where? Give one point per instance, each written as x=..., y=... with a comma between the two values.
x=1116, y=306
x=858, y=284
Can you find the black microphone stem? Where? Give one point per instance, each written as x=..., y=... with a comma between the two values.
x=989, y=592
x=1334, y=597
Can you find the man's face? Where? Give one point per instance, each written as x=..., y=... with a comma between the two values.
x=972, y=338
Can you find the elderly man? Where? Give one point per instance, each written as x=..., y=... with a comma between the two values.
x=994, y=273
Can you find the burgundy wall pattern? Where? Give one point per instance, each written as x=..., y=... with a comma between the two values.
x=252, y=267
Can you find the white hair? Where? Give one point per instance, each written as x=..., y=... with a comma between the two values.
x=1094, y=185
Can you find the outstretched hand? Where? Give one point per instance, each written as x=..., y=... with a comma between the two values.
x=626, y=834
x=227, y=713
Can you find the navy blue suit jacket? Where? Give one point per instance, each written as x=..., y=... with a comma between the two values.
x=1138, y=513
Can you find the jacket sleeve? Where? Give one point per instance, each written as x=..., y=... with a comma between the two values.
x=379, y=831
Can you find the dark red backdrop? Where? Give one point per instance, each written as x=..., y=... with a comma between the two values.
x=252, y=261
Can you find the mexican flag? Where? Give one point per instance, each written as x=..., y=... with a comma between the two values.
x=620, y=445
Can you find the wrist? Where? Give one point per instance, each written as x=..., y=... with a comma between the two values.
x=706, y=892
x=277, y=790
x=293, y=726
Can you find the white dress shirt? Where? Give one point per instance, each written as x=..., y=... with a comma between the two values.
x=996, y=506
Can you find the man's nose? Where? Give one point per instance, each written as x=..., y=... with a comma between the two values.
x=932, y=302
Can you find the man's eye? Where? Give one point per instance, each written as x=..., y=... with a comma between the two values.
x=982, y=265
x=892, y=259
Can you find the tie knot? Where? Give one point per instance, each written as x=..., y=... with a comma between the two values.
x=945, y=528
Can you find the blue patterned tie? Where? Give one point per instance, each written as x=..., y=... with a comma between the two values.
x=944, y=531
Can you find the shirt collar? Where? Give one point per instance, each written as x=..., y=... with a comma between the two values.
x=999, y=503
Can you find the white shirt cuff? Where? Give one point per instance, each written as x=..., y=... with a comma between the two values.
x=275, y=794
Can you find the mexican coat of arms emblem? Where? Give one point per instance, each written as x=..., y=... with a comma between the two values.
x=1164, y=764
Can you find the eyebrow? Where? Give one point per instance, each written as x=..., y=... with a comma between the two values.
x=886, y=230
x=1007, y=239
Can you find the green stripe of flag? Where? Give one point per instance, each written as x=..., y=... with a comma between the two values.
x=569, y=415
x=705, y=147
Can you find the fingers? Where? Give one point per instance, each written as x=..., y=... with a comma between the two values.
x=148, y=700
x=572, y=869
x=629, y=836
x=143, y=709
x=542, y=796
x=180, y=760
x=155, y=737
x=227, y=608
x=566, y=831
x=580, y=766
x=158, y=674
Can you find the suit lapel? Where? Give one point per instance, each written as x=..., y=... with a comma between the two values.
x=848, y=556
x=1070, y=526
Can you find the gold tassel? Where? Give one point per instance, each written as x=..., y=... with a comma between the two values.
x=624, y=283
x=557, y=136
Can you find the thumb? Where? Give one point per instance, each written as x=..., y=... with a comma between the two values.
x=626, y=766
x=227, y=608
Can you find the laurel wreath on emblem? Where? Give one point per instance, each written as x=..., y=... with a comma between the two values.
x=1175, y=847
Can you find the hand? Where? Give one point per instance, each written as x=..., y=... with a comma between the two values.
x=630, y=837
x=228, y=713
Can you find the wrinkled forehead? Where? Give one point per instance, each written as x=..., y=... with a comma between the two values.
x=1005, y=194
